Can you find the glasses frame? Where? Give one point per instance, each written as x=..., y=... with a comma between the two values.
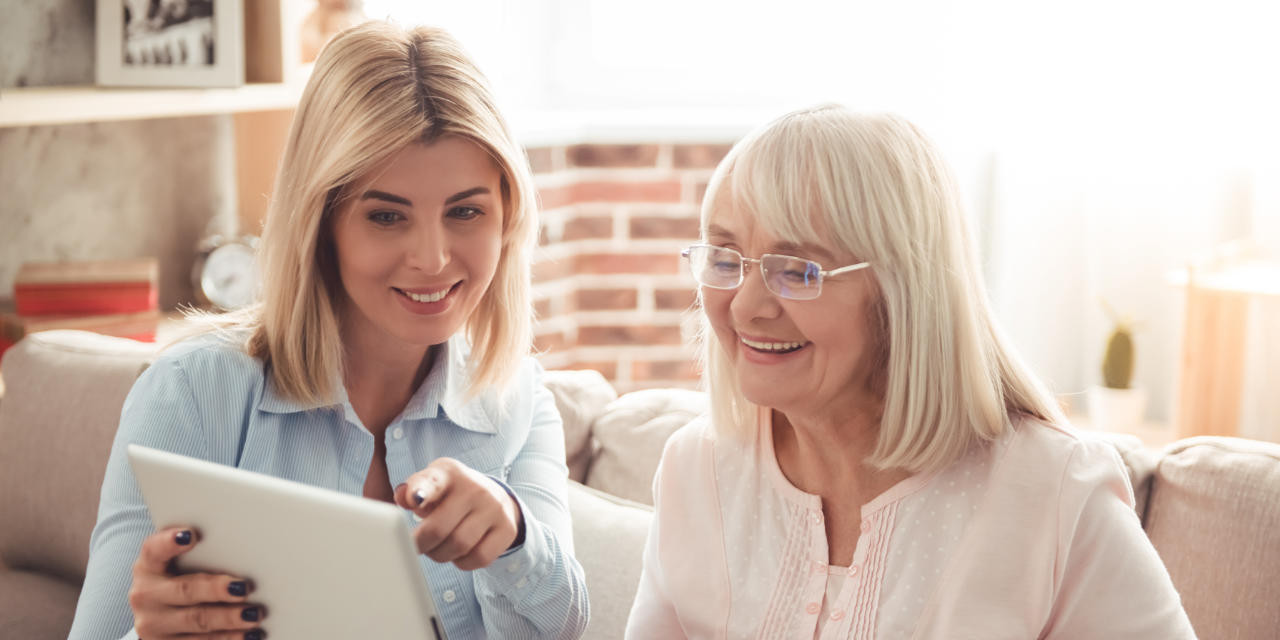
x=745, y=263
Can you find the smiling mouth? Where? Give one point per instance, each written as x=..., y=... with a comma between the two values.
x=436, y=296
x=773, y=347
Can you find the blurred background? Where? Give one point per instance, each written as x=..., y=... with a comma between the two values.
x=1104, y=148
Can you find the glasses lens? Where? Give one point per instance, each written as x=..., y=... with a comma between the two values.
x=715, y=267
x=792, y=277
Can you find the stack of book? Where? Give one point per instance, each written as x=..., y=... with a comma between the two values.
x=112, y=297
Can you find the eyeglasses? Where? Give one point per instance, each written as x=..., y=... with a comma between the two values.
x=786, y=276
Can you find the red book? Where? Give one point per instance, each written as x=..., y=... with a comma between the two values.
x=135, y=326
x=95, y=288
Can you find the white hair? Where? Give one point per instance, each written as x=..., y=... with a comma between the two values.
x=881, y=191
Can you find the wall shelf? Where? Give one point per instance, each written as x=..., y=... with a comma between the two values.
x=37, y=106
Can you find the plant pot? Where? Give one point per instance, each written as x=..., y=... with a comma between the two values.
x=1116, y=409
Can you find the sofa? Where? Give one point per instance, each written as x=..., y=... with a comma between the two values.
x=1211, y=506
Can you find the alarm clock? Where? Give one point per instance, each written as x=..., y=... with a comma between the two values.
x=225, y=273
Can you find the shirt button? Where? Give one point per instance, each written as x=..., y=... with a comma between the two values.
x=513, y=567
x=397, y=433
x=521, y=583
x=866, y=526
x=836, y=615
x=449, y=596
x=817, y=517
x=813, y=608
x=853, y=570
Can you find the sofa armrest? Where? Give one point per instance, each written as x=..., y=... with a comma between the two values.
x=609, y=534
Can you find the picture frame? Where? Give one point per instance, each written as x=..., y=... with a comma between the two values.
x=177, y=43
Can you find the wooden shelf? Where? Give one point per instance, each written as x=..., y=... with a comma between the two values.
x=35, y=106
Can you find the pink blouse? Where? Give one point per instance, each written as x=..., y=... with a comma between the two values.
x=1033, y=536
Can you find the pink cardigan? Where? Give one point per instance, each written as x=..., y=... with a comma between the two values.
x=1033, y=536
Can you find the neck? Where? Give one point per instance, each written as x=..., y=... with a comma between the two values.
x=826, y=455
x=381, y=377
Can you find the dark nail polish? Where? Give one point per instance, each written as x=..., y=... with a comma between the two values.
x=238, y=588
x=250, y=614
x=182, y=537
x=255, y=634
x=418, y=496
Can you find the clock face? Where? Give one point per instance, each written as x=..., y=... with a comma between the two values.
x=229, y=278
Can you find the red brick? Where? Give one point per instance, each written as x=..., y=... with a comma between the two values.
x=607, y=369
x=550, y=342
x=542, y=308
x=601, y=263
x=605, y=299
x=547, y=270
x=664, y=227
x=612, y=155
x=587, y=227
x=664, y=370
x=629, y=335
x=698, y=156
x=540, y=159
x=647, y=191
x=699, y=192
x=555, y=197
x=674, y=299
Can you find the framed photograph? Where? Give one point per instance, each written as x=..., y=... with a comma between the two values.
x=170, y=43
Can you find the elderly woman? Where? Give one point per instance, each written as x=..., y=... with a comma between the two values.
x=878, y=462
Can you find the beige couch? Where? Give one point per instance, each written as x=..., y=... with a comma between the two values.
x=1210, y=505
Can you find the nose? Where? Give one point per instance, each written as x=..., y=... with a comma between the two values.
x=430, y=249
x=752, y=300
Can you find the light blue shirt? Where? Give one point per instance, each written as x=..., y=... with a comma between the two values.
x=207, y=399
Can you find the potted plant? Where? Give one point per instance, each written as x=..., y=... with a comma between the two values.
x=1117, y=405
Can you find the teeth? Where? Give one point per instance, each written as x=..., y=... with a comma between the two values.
x=429, y=297
x=772, y=346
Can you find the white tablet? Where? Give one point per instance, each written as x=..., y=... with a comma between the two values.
x=323, y=563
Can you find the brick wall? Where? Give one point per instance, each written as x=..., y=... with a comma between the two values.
x=610, y=289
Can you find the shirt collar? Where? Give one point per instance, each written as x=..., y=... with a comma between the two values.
x=441, y=394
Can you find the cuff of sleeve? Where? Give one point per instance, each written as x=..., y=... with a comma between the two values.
x=519, y=569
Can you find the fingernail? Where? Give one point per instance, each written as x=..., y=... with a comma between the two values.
x=238, y=588
x=182, y=537
x=255, y=634
x=250, y=614
x=418, y=496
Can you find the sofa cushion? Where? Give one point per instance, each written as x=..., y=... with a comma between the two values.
x=1213, y=518
x=632, y=431
x=581, y=396
x=59, y=416
x=609, y=534
x=36, y=605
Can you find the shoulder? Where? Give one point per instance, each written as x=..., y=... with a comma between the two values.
x=1063, y=460
x=208, y=365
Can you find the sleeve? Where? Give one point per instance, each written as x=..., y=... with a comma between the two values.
x=160, y=411
x=1110, y=581
x=537, y=589
x=652, y=613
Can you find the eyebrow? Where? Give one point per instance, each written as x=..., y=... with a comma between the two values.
x=374, y=194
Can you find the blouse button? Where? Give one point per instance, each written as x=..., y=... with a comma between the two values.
x=866, y=526
x=853, y=570
x=818, y=567
x=813, y=608
x=837, y=615
x=397, y=433
x=817, y=517
x=449, y=596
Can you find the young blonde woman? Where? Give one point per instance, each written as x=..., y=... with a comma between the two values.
x=878, y=462
x=387, y=358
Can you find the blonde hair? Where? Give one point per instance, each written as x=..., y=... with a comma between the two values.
x=375, y=89
x=947, y=375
